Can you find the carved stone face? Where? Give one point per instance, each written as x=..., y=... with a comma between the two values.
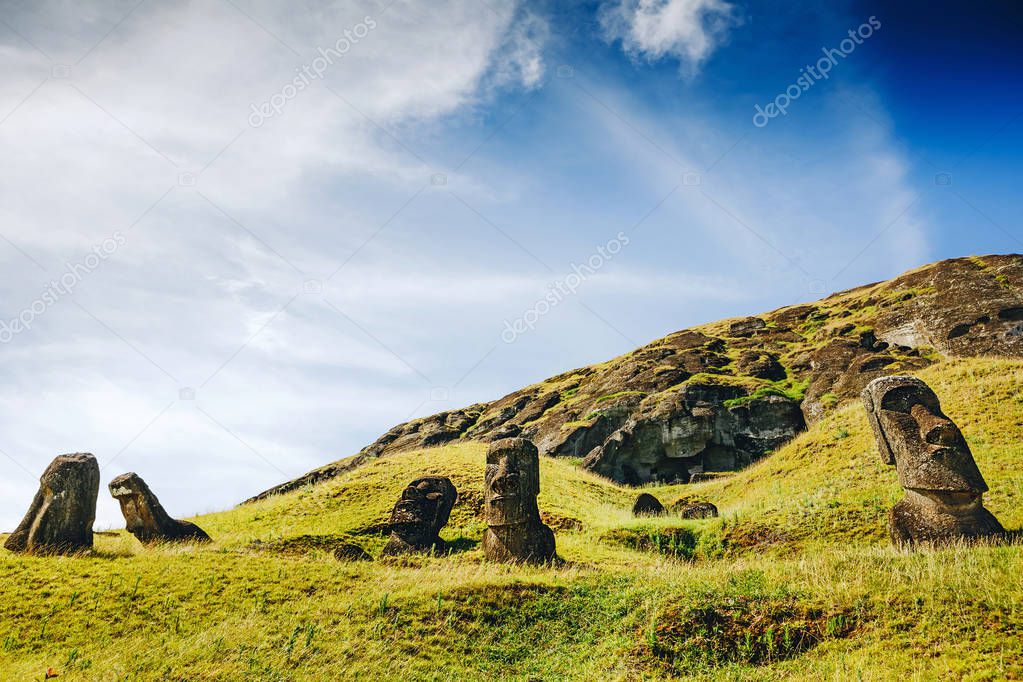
x=423, y=509
x=926, y=447
x=512, y=482
x=145, y=517
x=62, y=512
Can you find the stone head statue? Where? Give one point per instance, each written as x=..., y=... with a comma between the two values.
x=145, y=517
x=416, y=520
x=944, y=487
x=912, y=432
x=59, y=520
x=514, y=529
x=512, y=482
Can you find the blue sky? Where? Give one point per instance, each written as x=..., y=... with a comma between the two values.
x=255, y=294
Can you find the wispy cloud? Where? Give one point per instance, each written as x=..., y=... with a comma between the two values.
x=686, y=30
x=224, y=224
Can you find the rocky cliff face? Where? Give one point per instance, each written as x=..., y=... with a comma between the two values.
x=722, y=395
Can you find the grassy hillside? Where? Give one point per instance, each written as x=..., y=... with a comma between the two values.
x=796, y=579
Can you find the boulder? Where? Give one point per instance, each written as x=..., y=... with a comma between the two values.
x=418, y=516
x=647, y=505
x=695, y=510
x=60, y=519
x=747, y=326
x=145, y=517
x=515, y=531
x=944, y=488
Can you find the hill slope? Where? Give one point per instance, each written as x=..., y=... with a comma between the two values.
x=721, y=395
x=795, y=580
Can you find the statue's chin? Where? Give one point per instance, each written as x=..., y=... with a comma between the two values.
x=964, y=500
x=506, y=512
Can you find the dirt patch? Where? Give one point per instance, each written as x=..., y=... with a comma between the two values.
x=339, y=545
x=739, y=629
x=747, y=536
x=559, y=523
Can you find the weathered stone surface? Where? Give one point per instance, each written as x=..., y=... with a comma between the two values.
x=695, y=510
x=60, y=518
x=514, y=529
x=691, y=432
x=647, y=505
x=416, y=520
x=754, y=363
x=146, y=518
x=944, y=487
x=746, y=327
x=960, y=307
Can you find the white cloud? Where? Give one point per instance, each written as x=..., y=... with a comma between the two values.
x=687, y=30
x=196, y=280
x=521, y=60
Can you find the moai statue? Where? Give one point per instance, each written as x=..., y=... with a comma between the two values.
x=515, y=531
x=60, y=519
x=944, y=488
x=145, y=517
x=417, y=518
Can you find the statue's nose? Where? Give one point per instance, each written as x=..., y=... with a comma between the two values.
x=935, y=428
x=941, y=432
x=506, y=482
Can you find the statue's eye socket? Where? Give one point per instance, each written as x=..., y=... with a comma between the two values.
x=904, y=398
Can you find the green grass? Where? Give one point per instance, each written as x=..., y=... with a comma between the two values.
x=793, y=390
x=619, y=394
x=796, y=579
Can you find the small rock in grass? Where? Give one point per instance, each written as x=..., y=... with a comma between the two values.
x=696, y=510
x=350, y=552
x=647, y=505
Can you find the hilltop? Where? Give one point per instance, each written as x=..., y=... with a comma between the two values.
x=796, y=579
x=720, y=396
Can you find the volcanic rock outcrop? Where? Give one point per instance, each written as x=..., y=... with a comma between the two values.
x=719, y=396
x=514, y=529
x=146, y=518
x=416, y=520
x=698, y=428
x=60, y=518
x=944, y=487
